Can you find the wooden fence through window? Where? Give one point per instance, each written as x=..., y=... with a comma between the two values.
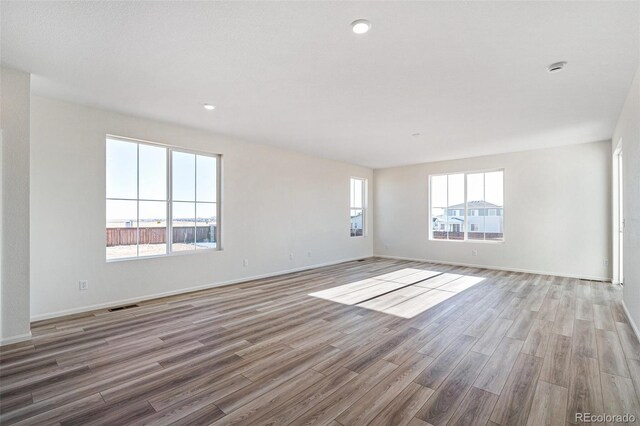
x=444, y=235
x=181, y=234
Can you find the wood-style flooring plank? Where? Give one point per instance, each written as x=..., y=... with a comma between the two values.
x=585, y=392
x=495, y=373
x=442, y=405
x=493, y=336
x=555, y=368
x=628, y=340
x=619, y=396
x=584, y=339
x=475, y=408
x=306, y=399
x=537, y=340
x=602, y=318
x=373, y=402
x=517, y=395
x=376, y=353
x=337, y=402
x=277, y=377
x=610, y=354
x=549, y=405
x=436, y=372
x=563, y=323
x=402, y=409
x=584, y=309
x=257, y=406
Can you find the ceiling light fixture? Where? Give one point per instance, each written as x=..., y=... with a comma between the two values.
x=415, y=135
x=209, y=107
x=556, y=67
x=360, y=26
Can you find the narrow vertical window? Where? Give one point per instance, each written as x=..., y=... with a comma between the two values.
x=455, y=200
x=206, y=202
x=152, y=205
x=439, y=207
x=475, y=201
x=183, y=201
x=447, y=207
x=357, y=206
x=494, y=202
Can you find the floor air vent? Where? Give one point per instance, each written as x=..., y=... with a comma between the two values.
x=120, y=308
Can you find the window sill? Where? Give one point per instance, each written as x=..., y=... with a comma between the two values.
x=467, y=241
x=173, y=254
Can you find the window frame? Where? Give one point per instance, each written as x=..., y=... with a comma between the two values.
x=169, y=198
x=363, y=208
x=466, y=209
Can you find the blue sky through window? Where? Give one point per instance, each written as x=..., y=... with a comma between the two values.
x=128, y=161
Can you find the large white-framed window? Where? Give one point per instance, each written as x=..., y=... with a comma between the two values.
x=160, y=199
x=357, y=206
x=467, y=206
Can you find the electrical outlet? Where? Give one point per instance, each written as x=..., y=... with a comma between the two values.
x=245, y=262
x=83, y=285
x=474, y=252
x=308, y=254
x=386, y=246
x=605, y=262
x=290, y=256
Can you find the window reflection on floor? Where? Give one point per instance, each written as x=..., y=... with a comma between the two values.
x=404, y=293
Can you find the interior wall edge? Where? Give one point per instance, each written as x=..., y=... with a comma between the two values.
x=627, y=137
x=16, y=208
x=15, y=339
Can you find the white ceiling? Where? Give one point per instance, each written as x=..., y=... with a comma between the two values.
x=470, y=77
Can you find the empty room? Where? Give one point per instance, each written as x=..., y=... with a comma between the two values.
x=320, y=212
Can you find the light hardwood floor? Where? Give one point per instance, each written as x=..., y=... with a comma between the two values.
x=492, y=347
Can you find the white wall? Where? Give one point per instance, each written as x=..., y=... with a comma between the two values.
x=557, y=212
x=275, y=202
x=14, y=276
x=628, y=130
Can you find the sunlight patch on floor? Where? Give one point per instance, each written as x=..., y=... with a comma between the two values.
x=404, y=293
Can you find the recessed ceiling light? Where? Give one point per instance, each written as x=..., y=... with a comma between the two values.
x=360, y=26
x=209, y=107
x=556, y=67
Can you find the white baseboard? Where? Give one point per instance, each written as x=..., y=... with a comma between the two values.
x=499, y=268
x=133, y=300
x=15, y=339
x=631, y=322
x=120, y=302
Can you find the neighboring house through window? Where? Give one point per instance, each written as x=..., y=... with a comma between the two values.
x=467, y=206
